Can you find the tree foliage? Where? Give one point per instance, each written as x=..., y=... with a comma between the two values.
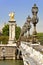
x=17, y=32
x=5, y=30
x=4, y=39
x=40, y=37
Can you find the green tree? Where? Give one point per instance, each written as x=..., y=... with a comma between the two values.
x=17, y=32
x=40, y=37
x=4, y=39
x=5, y=30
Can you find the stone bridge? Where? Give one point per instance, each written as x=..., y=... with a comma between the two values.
x=29, y=43
x=30, y=55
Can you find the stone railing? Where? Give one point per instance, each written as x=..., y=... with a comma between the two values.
x=30, y=55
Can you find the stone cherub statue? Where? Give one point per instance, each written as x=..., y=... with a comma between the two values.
x=12, y=16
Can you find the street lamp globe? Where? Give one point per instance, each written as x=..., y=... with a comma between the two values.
x=34, y=9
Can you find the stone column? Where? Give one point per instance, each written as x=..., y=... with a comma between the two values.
x=12, y=24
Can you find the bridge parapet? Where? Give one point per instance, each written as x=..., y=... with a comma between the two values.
x=31, y=55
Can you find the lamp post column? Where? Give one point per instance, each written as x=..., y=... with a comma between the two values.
x=34, y=21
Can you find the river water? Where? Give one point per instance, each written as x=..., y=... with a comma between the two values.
x=11, y=62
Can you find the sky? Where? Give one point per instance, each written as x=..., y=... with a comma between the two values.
x=22, y=9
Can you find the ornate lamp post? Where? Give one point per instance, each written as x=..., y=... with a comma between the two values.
x=26, y=28
x=29, y=26
x=34, y=21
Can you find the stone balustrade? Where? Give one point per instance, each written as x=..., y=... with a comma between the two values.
x=29, y=52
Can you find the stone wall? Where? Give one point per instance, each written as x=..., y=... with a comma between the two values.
x=7, y=51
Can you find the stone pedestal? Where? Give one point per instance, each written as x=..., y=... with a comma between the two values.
x=7, y=51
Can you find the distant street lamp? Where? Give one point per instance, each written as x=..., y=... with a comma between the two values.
x=29, y=26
